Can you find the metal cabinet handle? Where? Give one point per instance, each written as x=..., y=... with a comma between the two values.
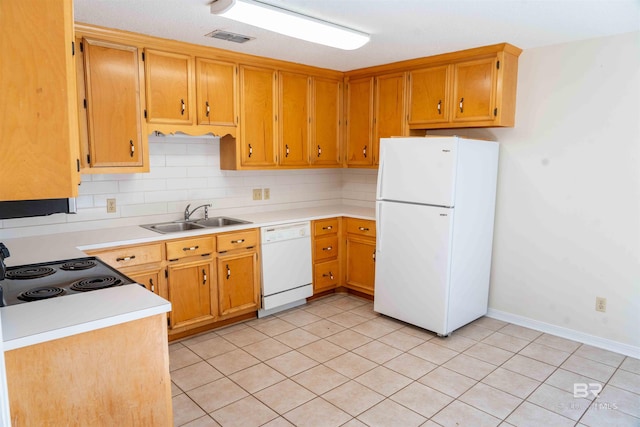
x=208, y=108
x=132, y=148
x=373, y=255
x=151, y=285
x=250, y=150
x=319, y=151
x=183, y=107
x=286, y=153
x=461, y=104
x=329, y=227
x=364, y=151
x=228, y=272
x=363, y=229
x=330, y=275
x=192, y=248
x=126, y=258
x=204, y=277
x=328, y=248
x=237, y=241
x=440, y=106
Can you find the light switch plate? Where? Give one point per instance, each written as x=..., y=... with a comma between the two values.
x=111, y=205
x=257, y=194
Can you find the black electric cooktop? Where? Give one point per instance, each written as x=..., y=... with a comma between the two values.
x=35, y=282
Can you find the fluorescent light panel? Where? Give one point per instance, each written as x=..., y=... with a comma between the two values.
x=289, y=23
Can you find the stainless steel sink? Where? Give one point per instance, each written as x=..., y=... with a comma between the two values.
x=197, y=224
x=219, y=221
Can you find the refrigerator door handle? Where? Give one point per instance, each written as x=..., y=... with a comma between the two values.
x=380, y=175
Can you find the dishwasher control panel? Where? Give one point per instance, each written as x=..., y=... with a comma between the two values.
x=282, y=232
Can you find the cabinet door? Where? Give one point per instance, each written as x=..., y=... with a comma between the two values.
x=190, y=292
x=112, y=81
x=474, y=89
x=325, y=122
x=169, y=87
x=238, y=282
x=257, y=112
x=390, y=117
x=361, y=257
x=216, y=89
x=38, y=111
x=428, y=100
x=293, y=119
x=150, y=280
x=359, y=122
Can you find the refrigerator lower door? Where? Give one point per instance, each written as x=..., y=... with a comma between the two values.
x=413, y=254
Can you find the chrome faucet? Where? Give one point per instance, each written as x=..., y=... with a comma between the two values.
x=188, y=214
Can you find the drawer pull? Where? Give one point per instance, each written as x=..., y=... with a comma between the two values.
x=330, y=275
x=204, y=277
x=329, y=227
x=363, y=229
x=328, y=248
x=237, y=241
x=192, y=248
x=228, y=272
x=151, y=285
x=126, y=258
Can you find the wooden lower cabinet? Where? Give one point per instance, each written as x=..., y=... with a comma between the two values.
x=114, y=376
x=191, y=292
x=237, y=279
x=360, y=255
x=149, y=278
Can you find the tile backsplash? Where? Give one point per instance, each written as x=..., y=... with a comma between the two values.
x=185, y=170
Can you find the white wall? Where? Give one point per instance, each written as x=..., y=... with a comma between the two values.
x=567, y=225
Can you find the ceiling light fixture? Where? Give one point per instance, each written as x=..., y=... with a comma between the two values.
x=289, y=23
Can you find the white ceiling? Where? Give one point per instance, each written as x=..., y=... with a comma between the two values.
x=400, y=29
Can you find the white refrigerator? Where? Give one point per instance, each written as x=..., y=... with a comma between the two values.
x=435, y=207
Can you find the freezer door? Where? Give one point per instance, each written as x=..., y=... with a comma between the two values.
x=418, y=170
x=413, y=252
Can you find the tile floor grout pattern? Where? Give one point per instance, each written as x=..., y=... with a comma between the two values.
x=335, y=362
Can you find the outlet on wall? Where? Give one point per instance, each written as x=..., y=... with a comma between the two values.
x=267, y=193
x=601, y=304
x=257, y=194
x=111, y=205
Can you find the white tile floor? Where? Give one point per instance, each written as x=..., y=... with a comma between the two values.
x=335, y=362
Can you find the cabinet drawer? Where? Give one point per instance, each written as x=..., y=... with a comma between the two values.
x=326, y=274
x=325, y=248
x=129, y=256
x=325, y=226
x=190, y=247
x=362, y=227
x=238, y=240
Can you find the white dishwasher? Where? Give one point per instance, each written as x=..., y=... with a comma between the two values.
x=286, y=266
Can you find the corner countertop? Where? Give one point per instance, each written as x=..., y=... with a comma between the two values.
x=41, y=321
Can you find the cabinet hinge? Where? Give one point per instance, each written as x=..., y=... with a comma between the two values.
x=145, y=113
x=73, y=48
x=166, y=273
x=495, y=111
x=84, y=103
x=168, y=321
x=88, y=159
x=78, y=164
x=143, y=56
x=81, y=47
x=498, y=65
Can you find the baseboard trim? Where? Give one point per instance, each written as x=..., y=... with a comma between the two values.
x=618, y=347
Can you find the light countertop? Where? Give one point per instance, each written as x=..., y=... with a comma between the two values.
x=41, y=321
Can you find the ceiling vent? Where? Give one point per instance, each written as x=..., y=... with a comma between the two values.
x=231, y=37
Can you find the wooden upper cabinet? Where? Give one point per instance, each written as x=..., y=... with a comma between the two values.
x=169, y=87
x=359, y=150
x=324, y=140
x=113, y=81
x=38, y=112
x=216, y=88
x=390, y=108
x=428, y=95
x=293, y=118
x=257, y=116
x=474, y=87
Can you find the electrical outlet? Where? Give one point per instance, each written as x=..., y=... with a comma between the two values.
x=601, y=304
x=257, y=194
x=267, y=193
x=111, y=205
